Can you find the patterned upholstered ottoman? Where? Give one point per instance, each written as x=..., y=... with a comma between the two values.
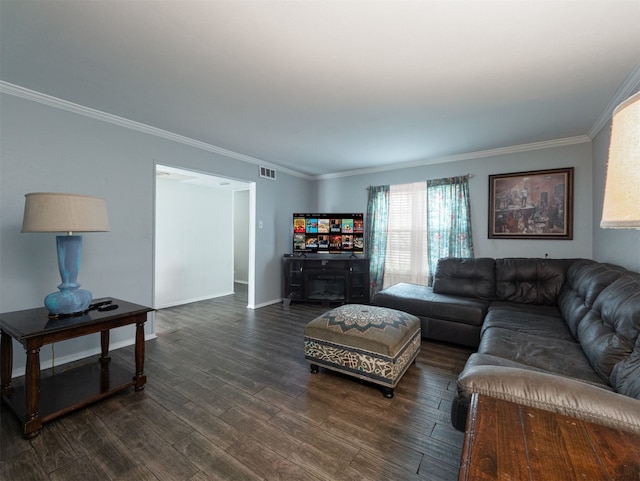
x=373, y=343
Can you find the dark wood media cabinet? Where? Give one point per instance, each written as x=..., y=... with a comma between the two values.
x=320, y=279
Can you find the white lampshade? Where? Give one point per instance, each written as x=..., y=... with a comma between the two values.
x=53, y=212
x=621, y=207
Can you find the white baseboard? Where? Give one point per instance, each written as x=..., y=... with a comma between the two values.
x=194, y=299
x=264, y=304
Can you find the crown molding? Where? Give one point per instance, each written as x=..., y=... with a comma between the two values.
x=630, y=86
x=632, y=82
x=515, y=149
x=18, y=91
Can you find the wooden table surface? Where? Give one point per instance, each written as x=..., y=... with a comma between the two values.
x=508, y=441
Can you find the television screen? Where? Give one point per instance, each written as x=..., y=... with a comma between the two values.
x=328, y=233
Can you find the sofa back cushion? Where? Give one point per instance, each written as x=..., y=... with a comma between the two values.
x=609, y=331
x=586, y=279
x=530, y=280
x=625, y=375
x=466, y=277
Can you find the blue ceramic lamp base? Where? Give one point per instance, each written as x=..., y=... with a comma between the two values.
x=68, y=302
x=70, y=299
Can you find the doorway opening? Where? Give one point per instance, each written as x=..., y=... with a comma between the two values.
x=204, y=241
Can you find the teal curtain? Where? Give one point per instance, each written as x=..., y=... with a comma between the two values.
x=376, y=234
x=448, y=220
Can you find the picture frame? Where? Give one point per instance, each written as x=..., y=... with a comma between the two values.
x=537, y=204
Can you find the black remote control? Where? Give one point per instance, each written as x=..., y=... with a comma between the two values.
x=108, y=307
x=99, y=304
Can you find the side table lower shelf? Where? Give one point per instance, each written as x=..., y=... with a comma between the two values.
x=72, y=389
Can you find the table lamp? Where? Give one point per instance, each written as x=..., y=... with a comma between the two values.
x=621, y=207
x=56, y=212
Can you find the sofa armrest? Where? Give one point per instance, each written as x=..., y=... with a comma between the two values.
x=549, y=392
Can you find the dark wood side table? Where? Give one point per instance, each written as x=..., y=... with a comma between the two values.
x=41, y=400
x=508, y=441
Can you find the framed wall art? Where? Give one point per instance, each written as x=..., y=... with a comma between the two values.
x=531, y=205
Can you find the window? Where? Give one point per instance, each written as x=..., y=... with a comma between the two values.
x=411, y=226
x=406, y=259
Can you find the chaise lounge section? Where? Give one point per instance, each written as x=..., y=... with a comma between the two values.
x=556, y=334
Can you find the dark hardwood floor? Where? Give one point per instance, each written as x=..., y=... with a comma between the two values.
x=229, y=396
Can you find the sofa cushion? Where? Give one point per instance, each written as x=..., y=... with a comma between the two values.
x=466, y=277
x=515, y=308
x=530, y=280
x=586, y=279
x=530, y=319
x=553, y=393
x=608, y=332
x=481, y=359
x=423, y=302
x=625, y=376
x=559, y=356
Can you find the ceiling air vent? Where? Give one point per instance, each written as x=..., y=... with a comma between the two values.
x=268, y=173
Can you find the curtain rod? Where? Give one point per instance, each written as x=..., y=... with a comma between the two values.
x=469, y=176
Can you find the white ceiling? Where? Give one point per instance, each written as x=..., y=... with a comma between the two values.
x=200, y=179
x=331, y=86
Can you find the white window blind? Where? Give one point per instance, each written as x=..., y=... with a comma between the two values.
x=406, y=256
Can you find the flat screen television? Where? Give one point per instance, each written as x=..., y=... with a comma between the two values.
x=330, y=233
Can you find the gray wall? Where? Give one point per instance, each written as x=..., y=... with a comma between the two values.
x=49, y=149
x=193, y=243
x=349, y=193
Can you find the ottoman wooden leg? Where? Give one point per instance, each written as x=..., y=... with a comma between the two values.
x=314, y=369
x=387, y=392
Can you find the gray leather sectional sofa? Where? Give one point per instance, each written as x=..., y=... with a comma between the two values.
x=556, y=334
